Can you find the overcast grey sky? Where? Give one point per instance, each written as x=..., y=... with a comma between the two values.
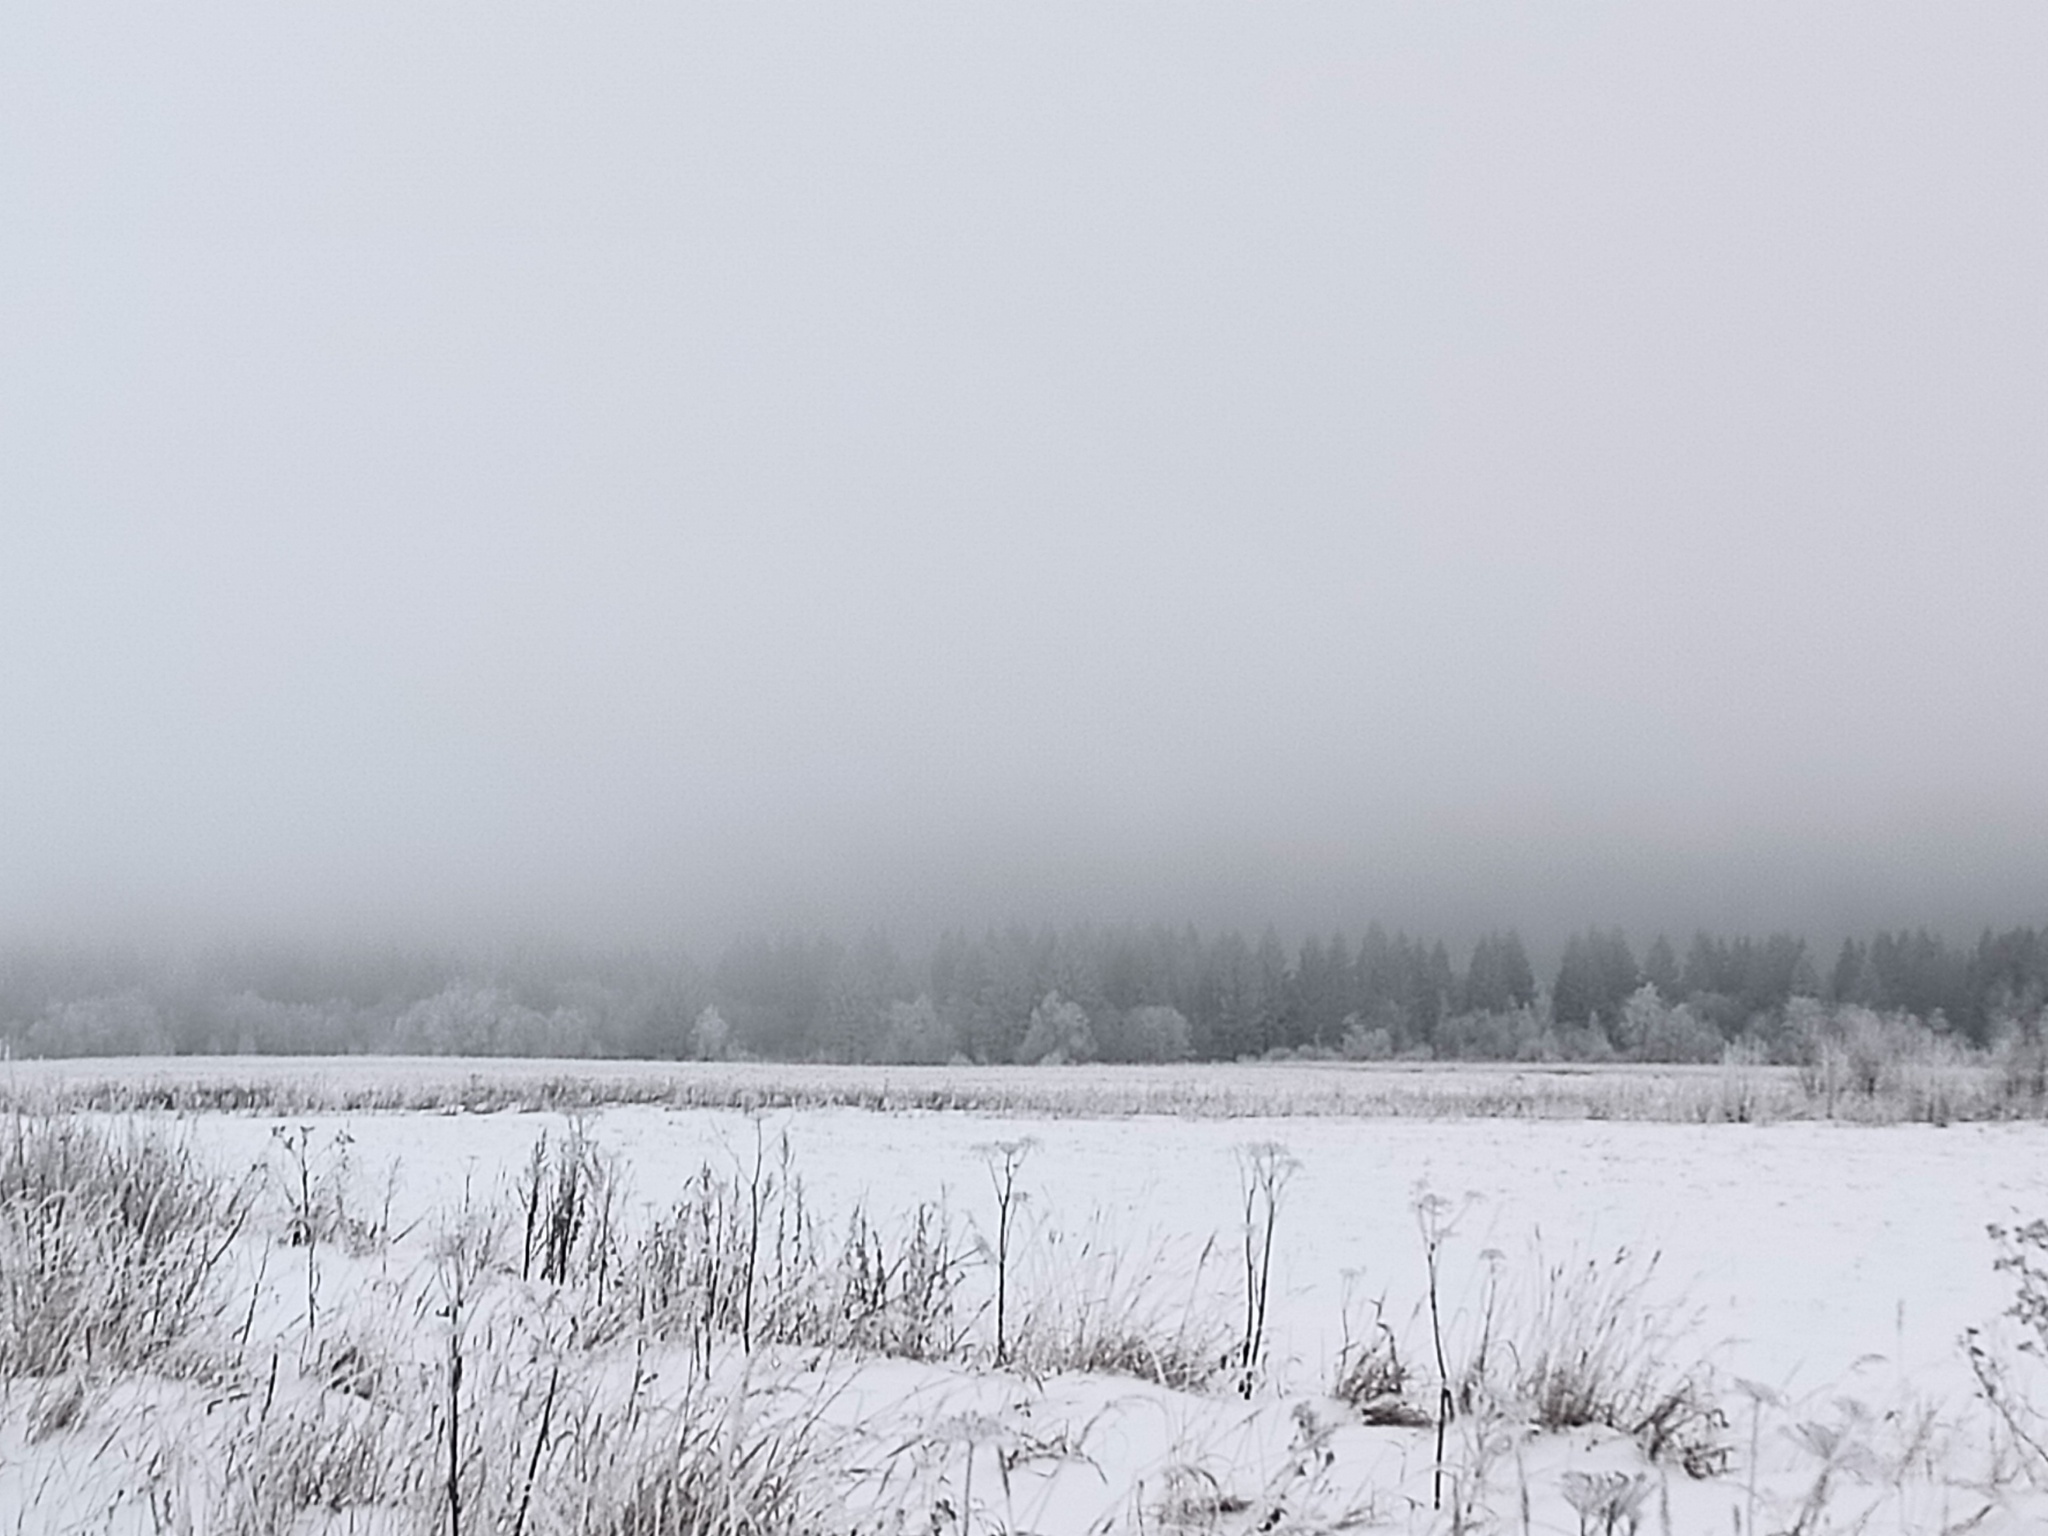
x=660, y=470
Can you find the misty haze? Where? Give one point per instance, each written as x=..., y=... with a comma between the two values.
x=677, y=477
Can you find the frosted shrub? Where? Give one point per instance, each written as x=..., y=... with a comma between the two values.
x=2023, y=1064
x=119, y=1024
x=1858, y=1063
x=471, y=1020
x=1148, y=1033
x=1058, y=1032
x=1366, y=1042
x=1523, y=1034
x=1653, y=1030
x=2023, y=1255
x=914, y=1032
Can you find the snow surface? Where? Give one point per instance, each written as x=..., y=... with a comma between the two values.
x=1833, y=1267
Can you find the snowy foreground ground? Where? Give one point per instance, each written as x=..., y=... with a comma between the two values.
x=1800, y=1290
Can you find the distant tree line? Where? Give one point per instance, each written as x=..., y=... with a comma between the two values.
x=1018, y=994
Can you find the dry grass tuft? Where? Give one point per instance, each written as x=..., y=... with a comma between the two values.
x=1586, y=1347
x=1373, y=1380
x=741, y=1258
x=1088, y=1304
x=111, y=1239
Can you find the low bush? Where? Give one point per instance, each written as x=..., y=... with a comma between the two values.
x=2022, y=1059
x=1860, y=1064
x=1523, y=1034
x=2022, y=1255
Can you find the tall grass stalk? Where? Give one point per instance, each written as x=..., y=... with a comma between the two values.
x=1263, y=1170
x=303, y=1229
x=568, y=1195
x=1005, y=1159
x=1434, y=1217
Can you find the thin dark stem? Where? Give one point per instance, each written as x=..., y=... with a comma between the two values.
x=1004, y=1160
x=1429, y=1215
x=455, y=1419
x=547, y=1409
x=753, y=1244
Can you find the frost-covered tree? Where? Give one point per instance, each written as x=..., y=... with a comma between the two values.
x=711, y=1036
x=914, y=1032
x=1154, y=1032
x=1594, y=979
x=1058, y=1032
x=1499, y=977
x=1660, y=969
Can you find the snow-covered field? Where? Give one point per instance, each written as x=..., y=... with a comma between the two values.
x=1818, y=1276
x=1801, y=1247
